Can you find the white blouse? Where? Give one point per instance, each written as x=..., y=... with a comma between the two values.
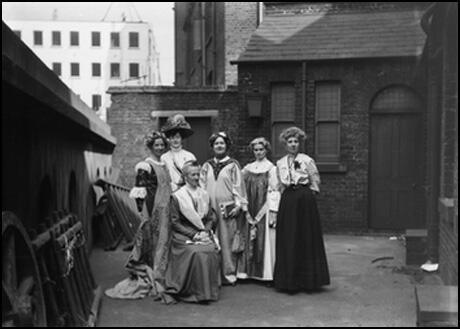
x=174, y=160
x=301, y=170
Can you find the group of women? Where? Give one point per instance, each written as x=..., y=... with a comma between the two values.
x=216, y=223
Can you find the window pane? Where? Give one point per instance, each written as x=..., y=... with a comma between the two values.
x=56, y=38
x=74, y=69
x=57, y=69
x=96, y=69
x=74, y=38
x=95, y=39
x=327, y=139
x=283, y=102
x=278, y=148
x=114, y=70
x=96, y=102
x=133, y=70
x=133, y=40
x=327, y=101
x=38, y=38
x=114, y=39
x=209, y=19
x=197, y=23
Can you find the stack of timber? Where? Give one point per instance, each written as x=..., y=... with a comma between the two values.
x=117, y=214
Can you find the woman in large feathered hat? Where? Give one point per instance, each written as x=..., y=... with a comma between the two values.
x=177, y=124
x=176, y=129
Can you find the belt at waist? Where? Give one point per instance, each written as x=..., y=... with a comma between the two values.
x=296, y=186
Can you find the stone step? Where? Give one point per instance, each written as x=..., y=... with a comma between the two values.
x=437, y=306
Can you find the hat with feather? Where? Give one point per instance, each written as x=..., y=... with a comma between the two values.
x=177, y=124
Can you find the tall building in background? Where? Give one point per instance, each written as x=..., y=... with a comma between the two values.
x=91, y=56
x=208, y=36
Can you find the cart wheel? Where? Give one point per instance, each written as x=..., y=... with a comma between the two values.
x=22, y=296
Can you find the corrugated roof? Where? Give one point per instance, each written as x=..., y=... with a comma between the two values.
x=336, y=36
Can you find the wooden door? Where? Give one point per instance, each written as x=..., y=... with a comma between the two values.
x=396, y=162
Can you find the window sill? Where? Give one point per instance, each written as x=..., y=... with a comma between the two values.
x=332, y=167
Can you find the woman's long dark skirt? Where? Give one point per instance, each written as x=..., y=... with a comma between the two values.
x=301, y=262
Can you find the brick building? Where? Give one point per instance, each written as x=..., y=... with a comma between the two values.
x=346, y=73
x=350, y=74
x=440, y=23
x=136, y=111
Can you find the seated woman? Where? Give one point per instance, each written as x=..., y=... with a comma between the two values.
x=193, y=272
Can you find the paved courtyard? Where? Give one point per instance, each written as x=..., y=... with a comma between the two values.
x=368, y=288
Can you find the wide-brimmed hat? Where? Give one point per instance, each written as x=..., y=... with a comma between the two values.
x=177, y=124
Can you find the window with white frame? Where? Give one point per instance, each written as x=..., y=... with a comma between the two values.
x=115, y=40
x=57, y=68
x=74, y=38
x=96, y=39
x=38, y=38
x=96, y=69
x=55, y=38
x=133, y=70
x=133, y=40
x=115, y=70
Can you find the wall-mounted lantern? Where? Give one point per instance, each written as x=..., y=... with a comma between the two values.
x=254, y=104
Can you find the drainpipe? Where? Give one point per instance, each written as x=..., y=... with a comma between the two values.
x=203, y=44
x=304, y=93
x=260, y=13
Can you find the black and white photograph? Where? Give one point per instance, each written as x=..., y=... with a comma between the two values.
x=230, y=164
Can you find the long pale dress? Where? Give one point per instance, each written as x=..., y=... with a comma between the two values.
x=174, y=160
x=263, y=198
x=223, y=181
x=147, y=261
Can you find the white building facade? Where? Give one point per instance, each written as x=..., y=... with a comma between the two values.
x=90, y=57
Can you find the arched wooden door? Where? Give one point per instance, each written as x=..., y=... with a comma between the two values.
x=396, y=159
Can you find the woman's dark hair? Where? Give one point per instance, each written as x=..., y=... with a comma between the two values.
x=152, y=137
x=224, y=136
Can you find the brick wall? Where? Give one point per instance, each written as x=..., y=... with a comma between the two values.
x=446, y=24
x=130, y=118
x=344, y=198
x=240, y=23
x=441, y=54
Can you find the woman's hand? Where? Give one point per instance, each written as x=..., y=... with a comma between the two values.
x=272, y=219
x=202, y=236
x=235, y=211
x=249, y=218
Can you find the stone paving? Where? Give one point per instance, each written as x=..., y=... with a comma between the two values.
x=368, y=288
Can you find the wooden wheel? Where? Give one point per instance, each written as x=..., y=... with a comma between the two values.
x=22, y=296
